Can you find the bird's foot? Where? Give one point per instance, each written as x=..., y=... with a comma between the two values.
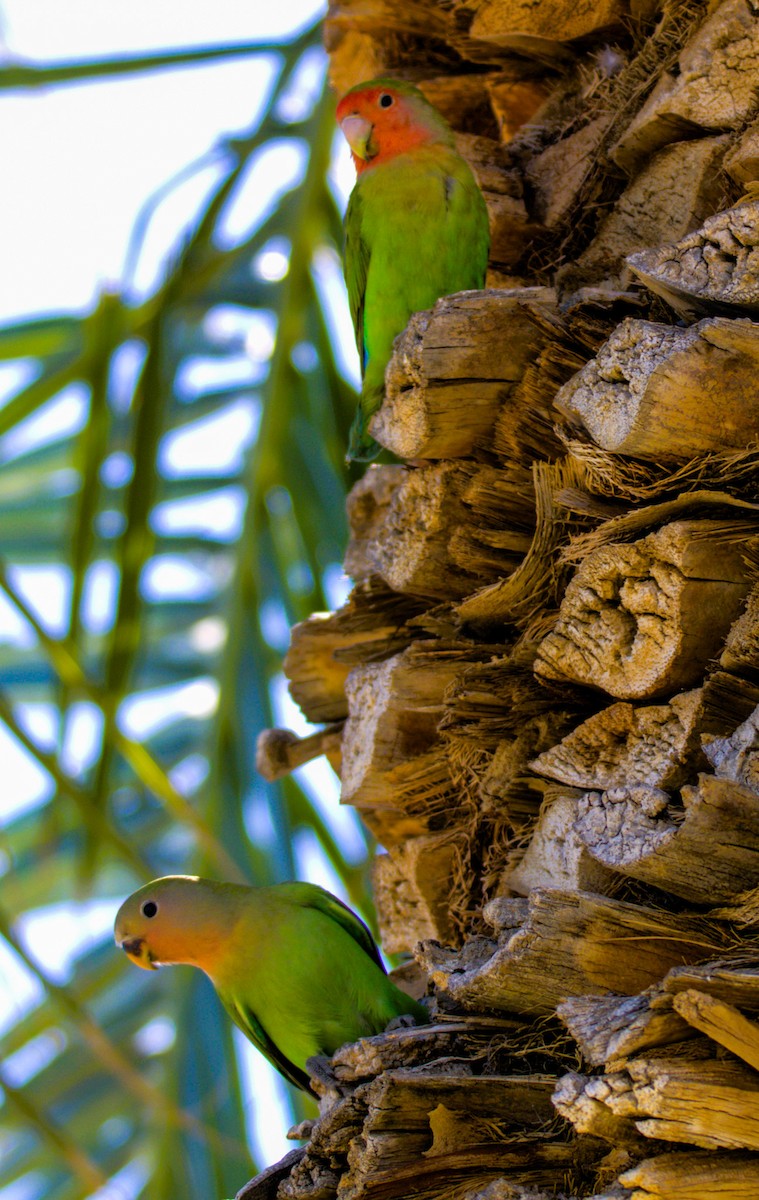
x=300, y=1132
x=265, y=1185
x=404, y=1021
x=324, y=1082
x=319, y=1067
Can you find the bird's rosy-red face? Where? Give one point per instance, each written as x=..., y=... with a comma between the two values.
x=379, y=122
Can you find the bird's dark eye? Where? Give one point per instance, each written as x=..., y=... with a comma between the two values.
x=385, y=100
x=149, y=908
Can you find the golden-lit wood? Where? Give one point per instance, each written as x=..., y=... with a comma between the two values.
x=640, y=620
x=441, y=398
x=658, y=390
x=550, y=660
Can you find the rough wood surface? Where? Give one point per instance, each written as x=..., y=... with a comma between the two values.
x=716, y=267
x=419, y=1128
x=712, y=88
x=693, y=1176
x=265, y=1185
x=380, y=23
x=610, y=1029
x=696, y=504
x=534, y=28
x=505, y=1189
x=559, y=172
x=742, y=161
x=394, y=709
x=412, y=890
x=557, y=857
x=581, y=1101
x=322, y=649
x=416, y=797
x=741, y=650
x=448, y=525
x=498, y=704
x=464, y=100
x=557, y=944
x=526, y=430
x=742, y=911
x=723, y=1023
x=409, y=1127
x=653, y=744
x=675, y=191
x=644, y=619
x=657, y=390
x=706, y=1103
x=280, y=751
x=411, y=547
x=500, y=521
x=710, y=1103
x=535, y=582
x=733, y=978
x=511, y=229
x=436, y=1046
x=737, y=757
x=508, y=769
x=317, y=679
x=514, y=101
x=317, y=1175
x=366, y=506
x=442, y=396
x=728, y=698
x=637, y=831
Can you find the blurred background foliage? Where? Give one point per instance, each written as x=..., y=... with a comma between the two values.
x=193, y=510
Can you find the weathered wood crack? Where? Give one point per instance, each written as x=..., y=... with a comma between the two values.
x=542, y=694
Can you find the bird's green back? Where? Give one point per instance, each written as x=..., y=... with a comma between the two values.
x=303, y=976
x=416, y=229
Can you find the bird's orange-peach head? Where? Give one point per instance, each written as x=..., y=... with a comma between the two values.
x=171, y=920
x=386, y=117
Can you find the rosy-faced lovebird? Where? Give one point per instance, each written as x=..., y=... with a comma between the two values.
x=416, y=227
x=294, y=968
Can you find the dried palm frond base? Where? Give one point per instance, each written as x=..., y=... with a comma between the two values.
x=546, y=681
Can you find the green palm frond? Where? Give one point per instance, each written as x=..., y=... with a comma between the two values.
x=25, y=75
x=94, y=502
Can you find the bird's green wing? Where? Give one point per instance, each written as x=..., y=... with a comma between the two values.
x=246, y=1019
x=309, y=895
x=356, y=266
x=468, y=226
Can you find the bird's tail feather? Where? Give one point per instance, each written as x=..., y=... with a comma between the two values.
x=361, y=445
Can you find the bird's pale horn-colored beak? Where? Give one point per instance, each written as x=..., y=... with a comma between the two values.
x=357, y=131
x=136, y=949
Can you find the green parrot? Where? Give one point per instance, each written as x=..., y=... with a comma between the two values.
x=294, y=968
x=416, y=227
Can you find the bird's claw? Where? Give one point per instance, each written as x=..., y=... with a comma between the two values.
x=403, y=1021
x=300, y=1132
x=319, y=1067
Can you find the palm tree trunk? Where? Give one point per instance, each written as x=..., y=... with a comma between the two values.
x=547, y=667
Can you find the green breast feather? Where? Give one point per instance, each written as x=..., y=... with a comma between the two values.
x=304, y=976
x=416, y=229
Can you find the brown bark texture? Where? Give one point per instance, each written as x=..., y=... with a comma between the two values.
x=542, y=694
